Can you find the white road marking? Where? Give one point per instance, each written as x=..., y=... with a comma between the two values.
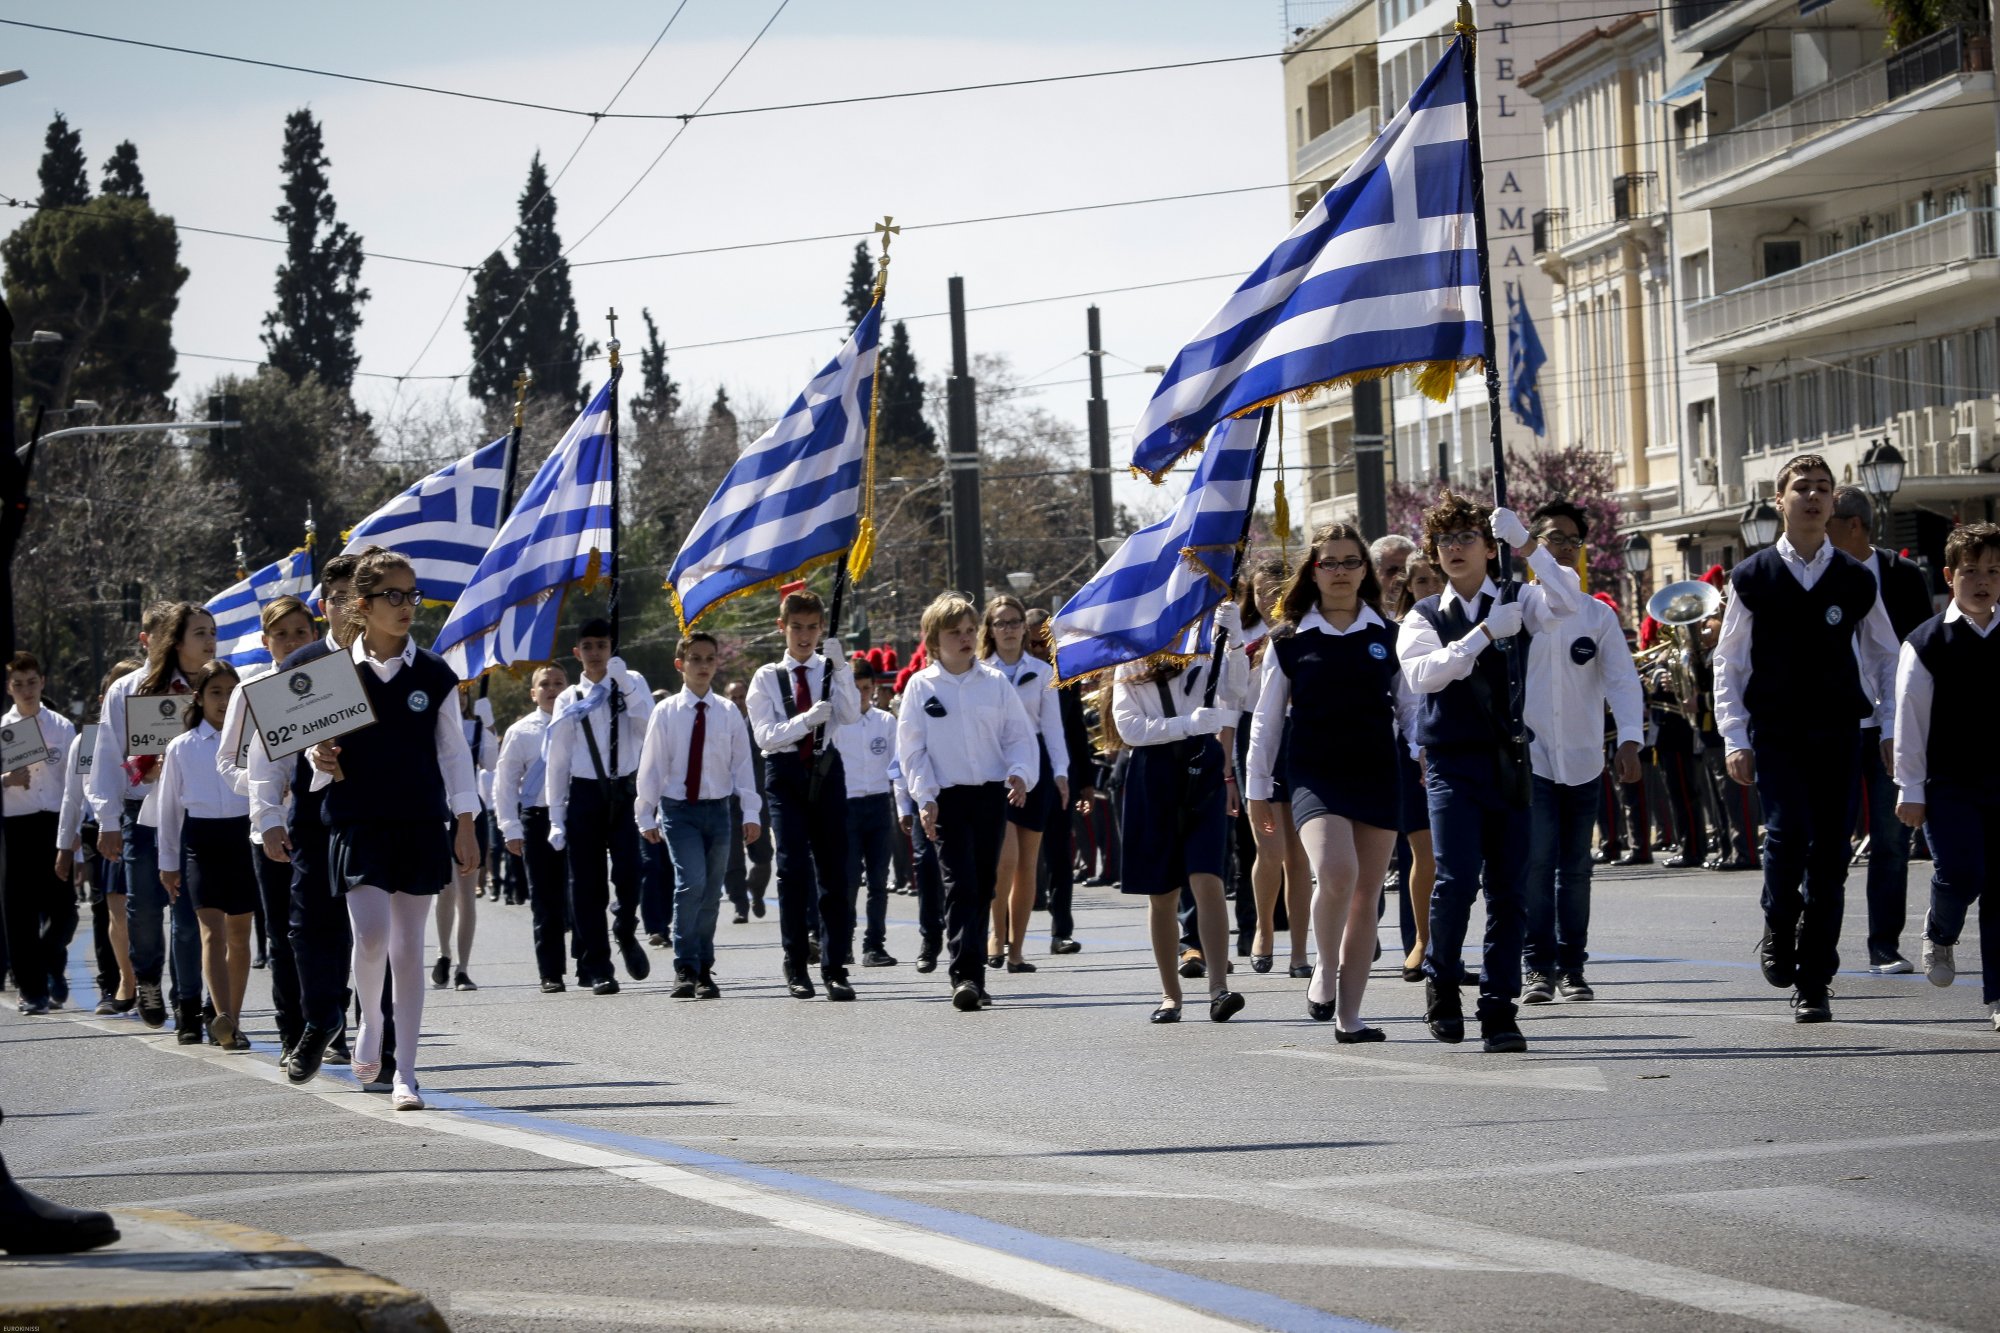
x=1081, y=1189
x=247, y=1151
x=1316, y=1256
x=1541, y=1077
x=823, y=1141
x=593, y=1311
x=574, y=1233
x=1845, y=1024
x=261, y=1193
x=207, y=1130
x=1852, y=1215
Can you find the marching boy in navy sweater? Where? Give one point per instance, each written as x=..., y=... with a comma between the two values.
x=1944, y=764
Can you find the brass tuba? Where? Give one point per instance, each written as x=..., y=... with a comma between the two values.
x=1679, y=608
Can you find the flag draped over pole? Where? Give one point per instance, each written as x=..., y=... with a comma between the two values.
x=239, y=608
x=1525, y=359
x=1380, y=275
x=560, y=533
x=444, y=523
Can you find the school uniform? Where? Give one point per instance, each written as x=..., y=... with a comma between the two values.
x=39, y=908
x=76, y=833
x=521, y=774
x=958, y=740
x=750, y=867
x=928, y=880
x=1241, y=885
x=1806, y=654
x=1944, y=760
x=694, y=777
x=1907, y=599
x=233, y=753
x=809, y=836
x=1573, y=676
x=1059, y=839
x=593, y=745
x=1732, y=806
x=205, y=825
x=485, y=747
x=866, y=748
x=1031, y=678
x=1173, y=814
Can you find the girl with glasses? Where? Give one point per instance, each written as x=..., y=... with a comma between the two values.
x=1003, y=639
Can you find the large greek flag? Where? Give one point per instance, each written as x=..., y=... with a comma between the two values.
x=1381, y=274
x=559, y=533
x=444, y=523
x=791, y=500
x=238, y=609
x=1154, y=596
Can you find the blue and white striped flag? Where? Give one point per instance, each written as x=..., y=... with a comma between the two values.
x=239, y=630
x=1154, y=596
x=1382, y=274
x=444, y=523
x=791, y=500
x=560, y=533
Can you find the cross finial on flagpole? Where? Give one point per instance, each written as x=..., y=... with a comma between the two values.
x=885, y=229
x=611, y=318
x=1464, y=25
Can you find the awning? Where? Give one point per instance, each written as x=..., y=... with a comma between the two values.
x=1691, y=83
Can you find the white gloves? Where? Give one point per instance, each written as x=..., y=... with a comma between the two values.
x=818, y=715
x=1229, y=620
x=1508, y=528
x=1207, y=721
x=556, y=839
x=1503, y=621
x=834, y=653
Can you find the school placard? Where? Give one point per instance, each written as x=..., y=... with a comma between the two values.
x=152, y=721
x=309, y=704
x=21, y=744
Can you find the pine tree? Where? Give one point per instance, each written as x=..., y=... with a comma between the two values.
x=523, y=315
x=721, y=430
x=311, y=331
x=65, y=175
x=902, y=427
x=659, y=398
x=121, y=173
x=860, y=285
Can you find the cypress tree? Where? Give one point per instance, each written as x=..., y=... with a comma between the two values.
x=902, y=426
x=121, y=173
x=524, y=314
x=65, y=176
x=860, y=285
x=311, y=330
x=659, y=398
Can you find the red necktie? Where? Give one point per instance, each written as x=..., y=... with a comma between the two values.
x=695, y=739
x=802, y=699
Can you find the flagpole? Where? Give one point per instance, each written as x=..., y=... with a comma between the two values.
x=1243, y=540
x=611, y=606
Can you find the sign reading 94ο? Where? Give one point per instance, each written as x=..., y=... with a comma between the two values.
x=309, y=704
x=21, y=744
x=153, y=720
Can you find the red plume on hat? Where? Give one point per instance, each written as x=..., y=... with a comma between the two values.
x=1715, y=577
x=787, y=589
x=890, y=662
x=876, y=660
x=1649, y=633
x=1607, y=599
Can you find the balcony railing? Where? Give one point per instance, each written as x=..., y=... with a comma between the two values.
x=1827, y=107
x=1904, y=257
x=1546, y=228
x=1687, y=13
x=1356, y=129
x=1633, y=196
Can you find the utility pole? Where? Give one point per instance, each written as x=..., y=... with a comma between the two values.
x=1100, y=437
x=1371, y=501
x=968, y=568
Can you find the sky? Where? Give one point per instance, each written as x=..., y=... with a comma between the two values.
x=438, y=178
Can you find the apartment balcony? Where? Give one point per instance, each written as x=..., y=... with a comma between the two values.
x=1884, y=282
x=1853, y=128
x=1354, y=132
x=1546, y=227
x=1709, y=25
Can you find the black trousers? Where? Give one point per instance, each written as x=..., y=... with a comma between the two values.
x=93, y=867
x=1677, y=770
x=274, y=892
x=322, y=938
x=1736, y=829
x=1059, y=864
x=930, y=889
x=600, y=832
x=749, y=871
x=971, y=821
x=40, y=909
x=1807, y=784
x=548, y=893
x=810, y=842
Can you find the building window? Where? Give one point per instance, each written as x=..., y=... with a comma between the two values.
x=1779, y=402
x=1807, y=404
x=1840, y=399
x=1980, y=362
x=1701, y=428
x=1319, y=464
x=1756, y=431
x=1868, y=392
x=1902, y=369
x=1781, y=254
x=1695, y=277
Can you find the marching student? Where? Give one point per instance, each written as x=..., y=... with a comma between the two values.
x=1477, y=783
x=36, y=897
x=1332, y=688
x=457, y=903
x=1416, y=870
x=1281, y=865
x=76, y=849
x=1807, y=654
x=204, y=829
x=180, y=640
x=927, y=881
x=593, y=743
x=749, y=867
x=1003, y=640
x=1572, y=677
x=400, y=796
x=966, y=749
x=694, y=778
x=522, y=773
x=1944, y=764
x=866, y=749
x=1059, y=841
x=287, y=627
x=796, y=703
x=1176, y=799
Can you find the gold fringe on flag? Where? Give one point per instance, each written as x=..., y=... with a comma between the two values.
x=1433, y=379
x=761, y=585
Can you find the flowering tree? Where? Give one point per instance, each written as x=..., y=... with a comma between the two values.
x=1582, y=476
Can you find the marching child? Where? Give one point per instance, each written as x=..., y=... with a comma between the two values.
x=457, y=904
x=39, y=904
x=76, y=841
x=1003, y=640
x=1415, y=867
x=866, y=751
x=1281, y=864
x=519, y=807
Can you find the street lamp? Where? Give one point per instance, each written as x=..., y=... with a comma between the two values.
x=1020, y=581
x=1638, y=554
x=1881, y=474
x=1759, y=525
x=1108, y=546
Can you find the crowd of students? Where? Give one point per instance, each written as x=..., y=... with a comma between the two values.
x=1401, y=720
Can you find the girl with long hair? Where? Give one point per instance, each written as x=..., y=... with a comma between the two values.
x=1003, y=645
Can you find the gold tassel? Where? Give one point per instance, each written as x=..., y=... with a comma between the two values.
x=593, y=572
x=863, y=551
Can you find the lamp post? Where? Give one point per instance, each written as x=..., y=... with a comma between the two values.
x=1759, y=525
x=1881, y=474
x=1638, y=559
x=1020, y=581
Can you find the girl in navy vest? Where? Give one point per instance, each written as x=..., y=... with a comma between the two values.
x=1003, y=645
x=1281, y=865
x=1421, y=579
x=1330, y=674
x=1944, y=756
x=401, y=795
x=1457, y=659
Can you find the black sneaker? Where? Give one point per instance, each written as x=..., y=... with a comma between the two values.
x=836, y=984
x=705, y=987
x=33, y=1008
x=441, y=973
x=188, y=1024
x=926, y=962
x=303, y=1060
x=1443, y=1013
x=462, y=982
x=876, y=958
x=637, y=965
x=757, y=908
x=1778, y=955
x=1536, y=988
x=742, y=918
x=1811, y=1006
x=1572, y=986
x=1499, y=1033
x=152, y=1005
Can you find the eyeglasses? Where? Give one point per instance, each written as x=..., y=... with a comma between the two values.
x=397, y=597
x=1010, y=624
x=1470, y=537
x=1349, y=563
x=1561, y=541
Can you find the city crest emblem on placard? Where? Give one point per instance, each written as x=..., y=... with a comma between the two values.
x=1833, y=615
x=300, y=684
x=419, y=701
x=166, y=708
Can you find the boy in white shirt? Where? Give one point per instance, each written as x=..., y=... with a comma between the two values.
x=40, y=908
x=866, y=749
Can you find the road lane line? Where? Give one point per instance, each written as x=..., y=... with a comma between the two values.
x=1325, y=1256
x=1851, y=1215
x=574, y=1311
x=1542, y=1078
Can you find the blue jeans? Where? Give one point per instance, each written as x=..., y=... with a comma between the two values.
x=871, y=824
x=1479, y=842
x=145, y=900
x=1555, y=895
x=697, y=835
x=1963, y=828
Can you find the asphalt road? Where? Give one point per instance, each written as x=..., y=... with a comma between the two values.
x=1675, y=1155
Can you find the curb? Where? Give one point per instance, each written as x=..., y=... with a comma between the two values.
x=172, y=1273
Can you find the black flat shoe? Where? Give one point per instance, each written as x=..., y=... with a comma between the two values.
x=1443, y=1013
x=1020, y=967
x=1413, y=974
x=965, y=998
x=757, y=909
x=552, y=985
x=441, y=973
x=1361, y=1035
x=995, y=959
x=1303, y=972
x=799, y=984
x=926, y=963
x=740, y=919
x=1167, y=1013
x=705, y=987
x=1319, y=1013
x=1260, y=962
x=304, y=1059
x=608, y=986
x=1224, y=1007
x=836, y=985
x=1065, y=945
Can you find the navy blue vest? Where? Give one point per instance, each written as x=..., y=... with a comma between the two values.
x=1473, y=713
x=1963, y=669
x=1803, y=675
x=391, y=766
x=1342, y=697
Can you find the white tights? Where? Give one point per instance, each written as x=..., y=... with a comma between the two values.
x=389, y=932
x=1344, y=856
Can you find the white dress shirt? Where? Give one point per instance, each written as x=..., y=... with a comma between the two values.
x=519, y=749
x=1565, y=698
x=569, y=752
x=725, y=757
x=776, y=682
x=270, y=780
x=867, y=748
x=1875, y=649
x=1274, y=700
x=1429, y=664
x=76, y=772
x=44, y=792
x=1034, y=680
x=191, y=785
x=984, y=735
x=454, y=756
x=1915, y=690
x=1135, y=704
x=485, y=755
x=110, y=784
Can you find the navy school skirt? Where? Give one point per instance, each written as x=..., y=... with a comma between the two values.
x=1175, y=816
x=1035, y=813
x=395, y=855
x=215, y=863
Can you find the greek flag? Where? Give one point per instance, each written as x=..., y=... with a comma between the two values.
x=239, y=630
x=1154, y=596
x=444, y=523
x=1525, y=359
x=1382, y=274
x=791, y=500
x=560, y=533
